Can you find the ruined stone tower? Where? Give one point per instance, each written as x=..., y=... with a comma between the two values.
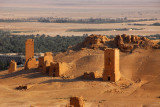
x=111, y=65
x=30, y=60
x=29, y=46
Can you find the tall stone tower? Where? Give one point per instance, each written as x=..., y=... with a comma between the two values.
x=29, y=49
x=30, y=60
x=111, y=65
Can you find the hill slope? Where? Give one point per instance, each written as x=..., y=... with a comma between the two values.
x=139, y=84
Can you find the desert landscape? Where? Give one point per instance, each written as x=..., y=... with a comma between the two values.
x=79, y=64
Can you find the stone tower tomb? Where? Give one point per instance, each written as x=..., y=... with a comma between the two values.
x=111, y=65
x=29, y=49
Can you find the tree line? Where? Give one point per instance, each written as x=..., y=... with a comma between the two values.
x=70, y=20
x=43, y=43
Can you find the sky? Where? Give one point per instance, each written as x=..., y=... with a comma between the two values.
x=50, y=3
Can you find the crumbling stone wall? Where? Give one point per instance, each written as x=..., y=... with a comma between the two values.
x=12, y=67
x=90, y=76
x=128, y=43
x=95, y=41
x=92, y=42
x=58, y=69
x=111, y=65
x=31, y=63
x=45, y=67
x=47, y=58
x=45, y=62
x=76, y=102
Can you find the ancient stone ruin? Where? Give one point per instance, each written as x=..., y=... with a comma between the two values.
x=48, y=66
x=30, y=60
x=29, y=49
x=12, y=67
x=128, y=43
x=76, y=102
x=31, y=63
x=58, y=69
x=111, y=65
x=93, y=42
x=47, y=58
x=24, y=87
x=90, y=76
x=45, y=62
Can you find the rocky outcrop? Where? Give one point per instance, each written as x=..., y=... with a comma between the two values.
x=128, y=43
x=93, y=42
x=125, y=43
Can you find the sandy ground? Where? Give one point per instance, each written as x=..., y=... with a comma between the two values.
x=54, y=29
x=138, y=87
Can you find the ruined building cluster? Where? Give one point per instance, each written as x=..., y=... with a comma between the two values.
x=48, y=66
x=111, y=72
x=94, y=42
x=45, y=64
x=126, y=42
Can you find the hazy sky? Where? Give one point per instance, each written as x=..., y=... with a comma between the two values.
x=77, y=2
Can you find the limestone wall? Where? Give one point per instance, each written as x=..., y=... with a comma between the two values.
x=58, y=69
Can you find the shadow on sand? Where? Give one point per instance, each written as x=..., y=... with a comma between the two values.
x=80, y=78
x=33, y=73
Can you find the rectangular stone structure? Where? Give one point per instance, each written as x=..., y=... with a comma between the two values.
x=12, y=67
x=76, y=102
x=58, y=69
x=29, y=49
x=111, y=65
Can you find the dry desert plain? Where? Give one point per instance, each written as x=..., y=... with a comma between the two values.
x=53, y=29
x=138, y=87
x=143, y=11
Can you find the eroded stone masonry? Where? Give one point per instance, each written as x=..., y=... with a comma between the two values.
x=12, y=67
x=111, y=65
x=30, y=60
x=48, y=66
x=29, y=49
x=76, y=102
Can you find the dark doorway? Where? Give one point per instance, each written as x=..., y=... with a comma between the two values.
x=54, y=75
x=109, y=78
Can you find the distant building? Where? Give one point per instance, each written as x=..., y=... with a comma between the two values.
x=8, y=58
